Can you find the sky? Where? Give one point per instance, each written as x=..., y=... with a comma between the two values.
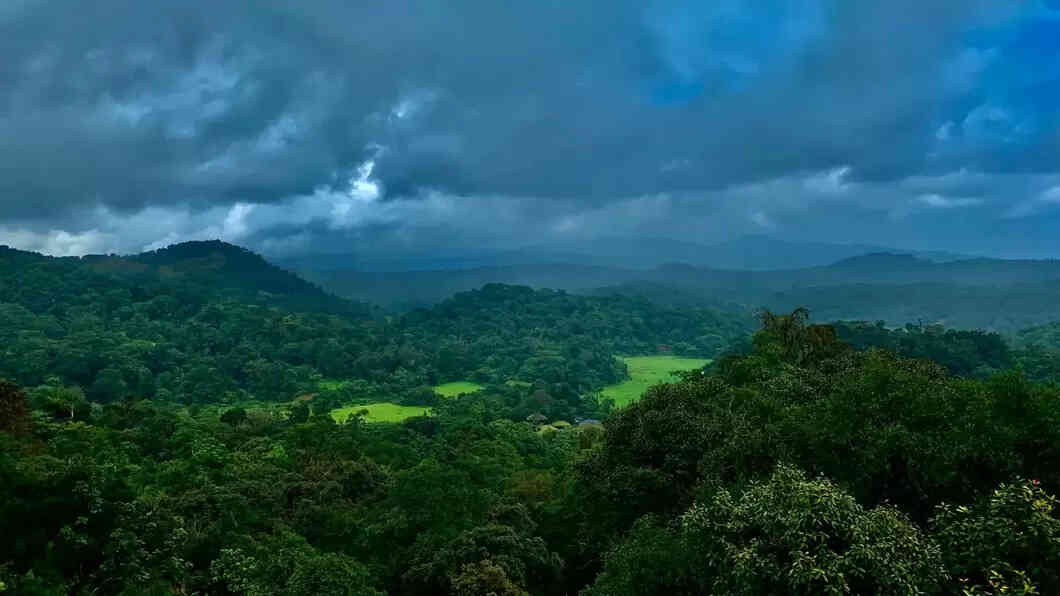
x=463, y=126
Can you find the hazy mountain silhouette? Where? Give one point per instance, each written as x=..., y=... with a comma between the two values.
x=753, y=253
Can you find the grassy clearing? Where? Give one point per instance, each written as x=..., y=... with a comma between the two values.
x=382, y=411
x=456, y=388
x=646, y=371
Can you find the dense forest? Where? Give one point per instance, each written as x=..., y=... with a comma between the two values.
x=561, y=298
x=165, y=429
x=211, y=323
x=1034, y=351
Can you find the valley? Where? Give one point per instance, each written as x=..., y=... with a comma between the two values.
x=383, y=445
x=576, y=298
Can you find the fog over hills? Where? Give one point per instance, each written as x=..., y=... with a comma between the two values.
x=892, y=286
x=751, y=252
x=897, y=288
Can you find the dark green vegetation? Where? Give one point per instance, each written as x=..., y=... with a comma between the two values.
x=962, y=353
x=1038, y=349
x=169, y=433
x=211, y=323
x=1035, y=351
x=896, y=477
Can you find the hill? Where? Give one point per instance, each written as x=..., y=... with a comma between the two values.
x=622, y=325
x=1041, y=337
x=220, y=269
x=996, y=294
x=197, y=271
x=404, y=290
x=168, y=437
x=203, y=322
x=753, y=252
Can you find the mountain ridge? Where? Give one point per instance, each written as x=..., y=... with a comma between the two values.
x=752, y=252
x=212, y=268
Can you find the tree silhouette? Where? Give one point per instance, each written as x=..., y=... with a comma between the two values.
x=800, y=342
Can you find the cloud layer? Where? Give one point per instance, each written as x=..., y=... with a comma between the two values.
x=440, y=126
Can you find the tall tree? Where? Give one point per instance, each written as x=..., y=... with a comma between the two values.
x=14, y=412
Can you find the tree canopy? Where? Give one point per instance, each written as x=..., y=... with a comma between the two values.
x=160, y=435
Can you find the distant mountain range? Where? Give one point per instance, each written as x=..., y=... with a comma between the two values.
x=898, y=288
x=996, y=294
x=753, y=253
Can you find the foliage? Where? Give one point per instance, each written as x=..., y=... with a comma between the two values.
x=177, y=436
x=234, y=416
x=963, y=353
x=208, y=322
x=1037, y=350
x=887, y=429
x=14, y=413
x=1009, y=536
x=286, y=564
x=784, y=535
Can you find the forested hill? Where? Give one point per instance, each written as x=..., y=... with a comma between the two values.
x=622, y=324
x=196, y=272
x=228, y=270
x=204, y=322
x=1041, y=337
x=1039, y=350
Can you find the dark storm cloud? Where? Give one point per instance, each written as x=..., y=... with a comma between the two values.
x=573, y=109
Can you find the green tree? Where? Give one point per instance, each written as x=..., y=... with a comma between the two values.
x=14, y=412
x=785, y=535
x=286, y=565
x=1009, y=536
x=299, y=413
x=234, y=416
x=506, y=543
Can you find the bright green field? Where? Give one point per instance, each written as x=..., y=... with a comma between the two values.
x=382, y=411
x=456, y=388
x=646, y=371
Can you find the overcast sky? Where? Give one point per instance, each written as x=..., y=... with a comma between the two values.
x=443, y=126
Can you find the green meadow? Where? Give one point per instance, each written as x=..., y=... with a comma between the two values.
x=456, y=388
x=384, y=411
x=645, y=371
x=380, y=412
